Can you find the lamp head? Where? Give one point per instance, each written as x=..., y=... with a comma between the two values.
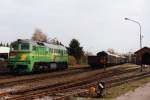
x=126, y=18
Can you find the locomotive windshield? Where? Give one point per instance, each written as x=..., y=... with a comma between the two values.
x=20, y=46
x=24, y=46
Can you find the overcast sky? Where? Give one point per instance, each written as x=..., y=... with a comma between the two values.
x=97, y=24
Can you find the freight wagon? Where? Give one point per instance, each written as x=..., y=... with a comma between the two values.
x=105, y=59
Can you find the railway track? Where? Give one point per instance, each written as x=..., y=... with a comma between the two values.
x=8, y=74
x=13, y=80
x=109, y=82
x=41, y=91
x=10, y=80
x=118, y=80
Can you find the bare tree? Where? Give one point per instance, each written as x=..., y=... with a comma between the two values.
x=54, y=41
x=87, y=53
x=38, y=35
x=110, y=50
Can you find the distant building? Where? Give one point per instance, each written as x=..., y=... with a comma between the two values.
x=143, y=56
x=4, y=52
x=130, y=57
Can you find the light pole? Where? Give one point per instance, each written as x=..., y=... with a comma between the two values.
x=140, y=38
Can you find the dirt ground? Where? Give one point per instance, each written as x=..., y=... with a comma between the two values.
x=141, y=93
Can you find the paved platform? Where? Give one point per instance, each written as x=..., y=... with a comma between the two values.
x=141, y=93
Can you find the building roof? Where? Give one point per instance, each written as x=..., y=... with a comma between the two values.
x=144, y=49
x=4, y=49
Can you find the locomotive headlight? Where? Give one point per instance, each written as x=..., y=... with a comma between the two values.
x=23, y=57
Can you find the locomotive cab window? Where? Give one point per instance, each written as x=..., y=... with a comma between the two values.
x=65, y=52
x=61, y=52
x=14, y=47
x=50, y=50
x=24, y=46
x=34, y=48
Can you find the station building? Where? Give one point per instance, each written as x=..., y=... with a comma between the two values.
x=4, y=52
x=143, y=56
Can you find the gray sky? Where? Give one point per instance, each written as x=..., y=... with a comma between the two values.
x=97, y=24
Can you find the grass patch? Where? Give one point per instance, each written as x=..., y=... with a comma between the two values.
x=122, y=89
x=119, y=90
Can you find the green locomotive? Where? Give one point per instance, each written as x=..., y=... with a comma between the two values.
x=31, y=56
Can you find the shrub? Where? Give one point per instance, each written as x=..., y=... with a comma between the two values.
x=72, y=60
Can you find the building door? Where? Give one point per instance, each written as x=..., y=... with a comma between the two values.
x=146, y=58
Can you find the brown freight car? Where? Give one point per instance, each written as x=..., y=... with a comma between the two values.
x=103, y=59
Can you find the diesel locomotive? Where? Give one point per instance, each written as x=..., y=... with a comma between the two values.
x=31, y=56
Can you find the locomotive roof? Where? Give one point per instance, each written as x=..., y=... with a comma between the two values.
x=41, y=43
